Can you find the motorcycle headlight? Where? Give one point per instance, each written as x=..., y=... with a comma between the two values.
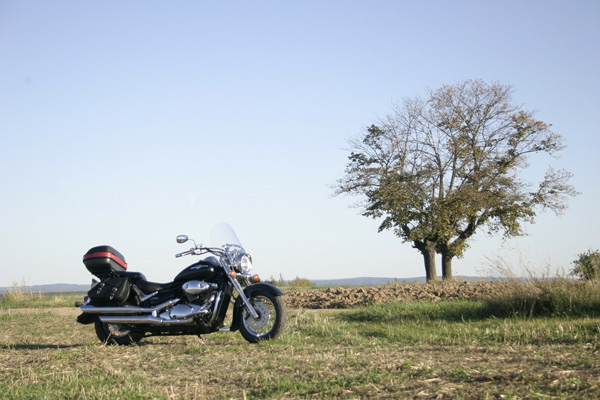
x=246, y=264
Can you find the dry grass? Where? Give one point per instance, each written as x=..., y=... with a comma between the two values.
x=410, y=352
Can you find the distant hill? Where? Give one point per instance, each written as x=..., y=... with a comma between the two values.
x=360, y=281
x=54, y=287
x=375, y=281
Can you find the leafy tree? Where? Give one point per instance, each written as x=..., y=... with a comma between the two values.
x=440, y=168
x=587, y=265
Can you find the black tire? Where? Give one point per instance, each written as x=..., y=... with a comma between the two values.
x=271, y=321
x=116, y=333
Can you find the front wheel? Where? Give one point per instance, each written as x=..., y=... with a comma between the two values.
x=272, y=317
x=116, y=333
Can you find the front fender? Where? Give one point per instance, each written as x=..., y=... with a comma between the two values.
x=263, y=287
x=249, y=291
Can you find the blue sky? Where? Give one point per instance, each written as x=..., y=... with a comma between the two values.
x=128, y=123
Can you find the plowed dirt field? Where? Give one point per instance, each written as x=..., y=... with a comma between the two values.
x=343, y=297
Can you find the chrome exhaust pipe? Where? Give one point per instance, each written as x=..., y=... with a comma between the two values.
x=166, y=318
x=153, y=320
x=88, y=309
x=143, y=320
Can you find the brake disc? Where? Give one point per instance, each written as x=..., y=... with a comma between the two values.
x=263, y=317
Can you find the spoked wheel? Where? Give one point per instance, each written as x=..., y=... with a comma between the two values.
x=272, y=318
x=116, y=333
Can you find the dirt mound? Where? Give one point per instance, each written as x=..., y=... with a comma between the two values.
x=341, y=297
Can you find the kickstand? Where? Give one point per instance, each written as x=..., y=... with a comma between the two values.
x=202, y=338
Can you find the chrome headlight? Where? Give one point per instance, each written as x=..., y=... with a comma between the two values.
x=246, y=264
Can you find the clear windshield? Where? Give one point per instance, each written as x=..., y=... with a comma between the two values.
x=223, y=235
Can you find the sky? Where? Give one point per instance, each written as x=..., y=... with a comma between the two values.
x=127, y=123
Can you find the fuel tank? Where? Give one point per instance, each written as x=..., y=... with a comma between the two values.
x=201, y=270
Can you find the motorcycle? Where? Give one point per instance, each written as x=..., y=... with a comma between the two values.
x=125, y=307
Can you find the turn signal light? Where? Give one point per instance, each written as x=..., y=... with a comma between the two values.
x=232, y=274
x=256, y=278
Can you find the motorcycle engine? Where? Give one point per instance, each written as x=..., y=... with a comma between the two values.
x=182, y=311
x=199, y=295
x=195, y=289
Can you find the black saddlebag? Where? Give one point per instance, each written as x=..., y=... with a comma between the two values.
x=102, y=260
x=112, y=291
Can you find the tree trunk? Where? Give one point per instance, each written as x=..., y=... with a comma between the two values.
x=447, y=266
x=427, y=248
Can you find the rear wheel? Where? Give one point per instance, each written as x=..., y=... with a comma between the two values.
x=116, y=333
x=272, y=317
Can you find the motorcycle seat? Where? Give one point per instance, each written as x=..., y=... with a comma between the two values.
x=134, y=276
x=142, y=283
x=148, y=287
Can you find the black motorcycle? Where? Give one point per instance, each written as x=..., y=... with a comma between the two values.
x=125, y=307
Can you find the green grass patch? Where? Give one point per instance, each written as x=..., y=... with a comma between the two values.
x=464, y=322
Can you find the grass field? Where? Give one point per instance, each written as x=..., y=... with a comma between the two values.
x=425, y=350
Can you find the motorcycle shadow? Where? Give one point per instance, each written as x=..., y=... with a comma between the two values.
x=73, y=345
x=39, y=346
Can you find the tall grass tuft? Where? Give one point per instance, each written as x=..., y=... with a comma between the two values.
x=534, y=292
x=301, y=283
x=20, y=292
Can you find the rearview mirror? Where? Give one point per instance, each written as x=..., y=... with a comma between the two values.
x=182, y=238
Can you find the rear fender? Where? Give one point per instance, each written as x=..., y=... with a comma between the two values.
x=249, y=291
x=85, y=318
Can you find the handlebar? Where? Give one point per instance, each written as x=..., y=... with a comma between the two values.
x=199, y=250
x=185, y=253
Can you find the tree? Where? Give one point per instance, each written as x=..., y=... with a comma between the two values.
x=587, y=265
x=439, y=169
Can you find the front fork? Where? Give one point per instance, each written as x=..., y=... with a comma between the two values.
x=257, y=288
x=245, y=299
